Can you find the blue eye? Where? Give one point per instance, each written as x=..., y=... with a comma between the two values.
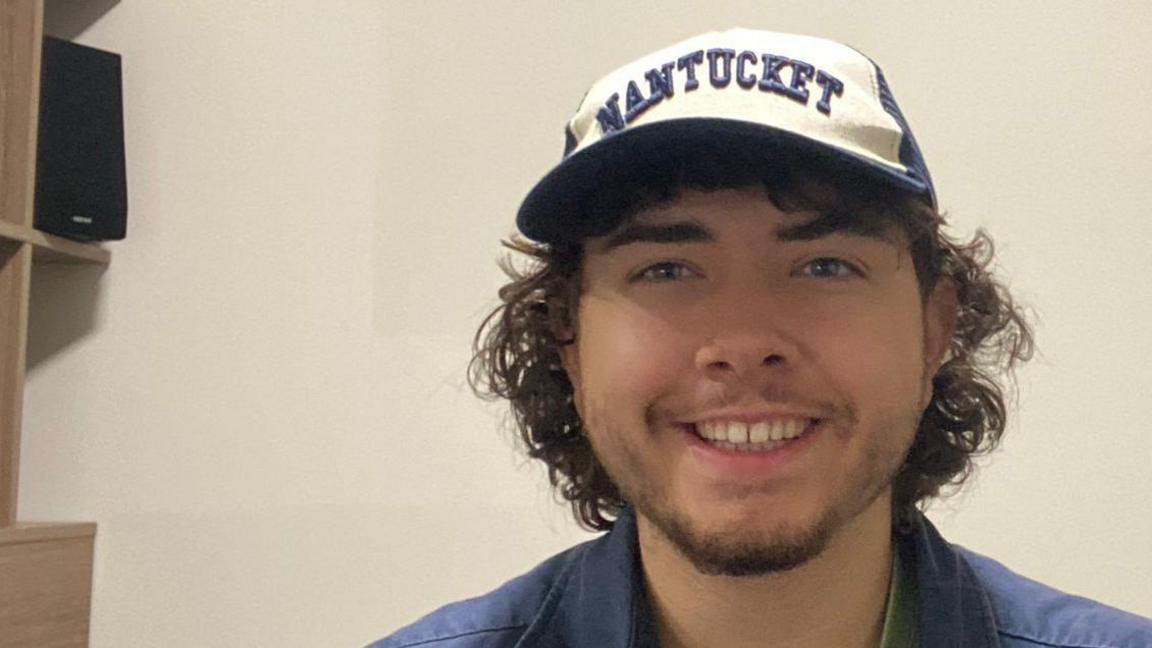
x=824, y=262
x=663, y=271
x=667, y=271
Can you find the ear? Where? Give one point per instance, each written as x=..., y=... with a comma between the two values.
x=563, y=326
x=940, y=314
x=570, y=360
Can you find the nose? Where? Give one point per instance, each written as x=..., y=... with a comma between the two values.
x=748, y=337
x=740, y=355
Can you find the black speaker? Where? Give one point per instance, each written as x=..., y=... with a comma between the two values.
x=81, y=186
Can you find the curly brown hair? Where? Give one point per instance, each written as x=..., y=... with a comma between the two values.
x=517, y=347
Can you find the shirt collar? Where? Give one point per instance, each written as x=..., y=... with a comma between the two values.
x=600, y=602
x=900, y=612
x=953, y=607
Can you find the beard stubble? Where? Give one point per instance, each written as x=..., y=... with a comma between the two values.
x=785, y=546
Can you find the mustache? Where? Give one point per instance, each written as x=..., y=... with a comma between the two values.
x=717, y=396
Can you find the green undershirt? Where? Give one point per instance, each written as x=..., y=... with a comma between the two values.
x=900, y=617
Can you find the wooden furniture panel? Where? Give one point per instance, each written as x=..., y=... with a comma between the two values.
x=47, y=248
x=45, y=585
x=21, y=32
x=45, y=569
x=15, y=274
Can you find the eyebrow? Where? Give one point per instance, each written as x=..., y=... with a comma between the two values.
x=691, y=231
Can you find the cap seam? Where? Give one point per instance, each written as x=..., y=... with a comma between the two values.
x=894, y=151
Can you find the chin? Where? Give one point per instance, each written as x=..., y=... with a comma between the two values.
x=750, y=547
x=761, y=530
x=753, y=513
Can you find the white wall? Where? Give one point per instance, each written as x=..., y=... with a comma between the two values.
x=262, y=400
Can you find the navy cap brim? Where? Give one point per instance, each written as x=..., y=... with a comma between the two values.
x=553, y=209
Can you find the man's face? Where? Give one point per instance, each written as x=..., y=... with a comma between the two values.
x=706, y=319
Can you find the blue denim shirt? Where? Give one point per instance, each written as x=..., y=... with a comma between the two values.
x=590, y=597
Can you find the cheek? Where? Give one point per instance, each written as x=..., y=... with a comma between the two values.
x=627, y=351
x=878, y=356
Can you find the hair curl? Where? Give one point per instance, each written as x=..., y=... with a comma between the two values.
x=517, y=347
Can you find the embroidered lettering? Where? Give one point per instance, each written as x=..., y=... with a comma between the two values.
x=636, y=103
x=633, y=98
x=741, y=79
x=688, y=63
x=832, y=86
x=609, y=116
x=724, y=57
x=662, y=82
x=771, y=80
x=801, y=74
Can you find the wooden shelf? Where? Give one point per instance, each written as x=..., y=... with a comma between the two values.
x=45, y=569
x=45, y=584
x=55, y=249
x=23, y=532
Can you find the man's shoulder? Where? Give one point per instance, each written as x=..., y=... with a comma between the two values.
x=1030, y=614
x=494, y=620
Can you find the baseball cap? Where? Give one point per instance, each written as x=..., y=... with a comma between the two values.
x=764, y=90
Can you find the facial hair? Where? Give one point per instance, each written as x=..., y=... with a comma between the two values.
x=753, y=553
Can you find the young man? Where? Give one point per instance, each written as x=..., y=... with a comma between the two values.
x=748, y=351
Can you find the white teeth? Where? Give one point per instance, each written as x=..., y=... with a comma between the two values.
x=736, y=432
x=749, y=447
x=795, y=429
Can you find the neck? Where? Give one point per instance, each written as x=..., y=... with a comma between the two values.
x=836, y=599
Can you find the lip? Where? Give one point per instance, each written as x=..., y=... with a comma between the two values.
x=731, y=464
x=751, y=418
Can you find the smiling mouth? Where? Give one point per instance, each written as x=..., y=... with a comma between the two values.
x=763, y=436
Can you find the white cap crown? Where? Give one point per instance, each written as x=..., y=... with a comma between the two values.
x=778, y=88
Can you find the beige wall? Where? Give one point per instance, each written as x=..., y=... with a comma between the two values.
x=262, y=400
